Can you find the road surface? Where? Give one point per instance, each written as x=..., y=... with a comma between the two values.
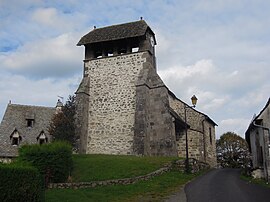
x=224, y=185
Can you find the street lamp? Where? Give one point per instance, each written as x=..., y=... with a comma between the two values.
x=194, y=102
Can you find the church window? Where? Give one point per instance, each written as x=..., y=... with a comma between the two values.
x=122, y=51
x=98, y=54
x=109, y=53
x=135, y=49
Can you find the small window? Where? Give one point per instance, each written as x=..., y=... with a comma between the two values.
x=42, y=139
x=98, y=54
x=109, y=53
x=135, y=49
x=15, y=138
x=30, y=123
x=15, y=141
x=122, y=51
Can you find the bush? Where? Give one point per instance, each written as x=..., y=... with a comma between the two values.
x=20, y=183
x=54, y=160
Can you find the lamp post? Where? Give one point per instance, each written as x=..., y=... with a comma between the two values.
x=194, y=102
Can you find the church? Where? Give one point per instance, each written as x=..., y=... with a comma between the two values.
x=123, y=106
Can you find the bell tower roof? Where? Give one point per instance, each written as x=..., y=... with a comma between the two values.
x=116, y=32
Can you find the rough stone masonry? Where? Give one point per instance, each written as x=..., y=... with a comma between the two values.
x=123, y=106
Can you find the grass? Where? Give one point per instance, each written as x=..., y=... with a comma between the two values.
x=255, y=181
x=102, y=167
x=153, y=190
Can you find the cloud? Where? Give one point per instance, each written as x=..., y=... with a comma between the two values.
x=54, y=57
x=237, y=125
x=44, y=92
x=47, y=16
x=218, y=51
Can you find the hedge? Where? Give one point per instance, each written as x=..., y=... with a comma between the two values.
x=54, y=160
x=20, y=183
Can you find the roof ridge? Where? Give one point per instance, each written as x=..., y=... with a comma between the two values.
x=118, y=24
x=23, y=105
x=115, y=32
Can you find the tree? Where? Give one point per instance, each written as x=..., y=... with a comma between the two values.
x=232, y=151
x=62, y=126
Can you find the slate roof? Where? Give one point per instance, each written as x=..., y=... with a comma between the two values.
x=116, y=32
x=16, y=117
x=251, y=126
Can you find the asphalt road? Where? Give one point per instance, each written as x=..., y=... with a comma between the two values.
x=224, y=185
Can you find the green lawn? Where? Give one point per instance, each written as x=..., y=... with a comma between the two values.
x=154, y=190
x=102, y=167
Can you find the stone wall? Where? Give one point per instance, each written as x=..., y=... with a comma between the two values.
x=199, y=145
x=154, y=131
x=112, y=103
x=81, y=115
x=210, y=143
x=161, y=140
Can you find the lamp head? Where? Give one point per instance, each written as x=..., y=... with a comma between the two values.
x=194, y=100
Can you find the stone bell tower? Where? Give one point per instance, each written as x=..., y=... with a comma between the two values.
x=122, y=104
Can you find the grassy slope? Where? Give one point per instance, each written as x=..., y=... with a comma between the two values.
x=100, y=167
x=104, y=167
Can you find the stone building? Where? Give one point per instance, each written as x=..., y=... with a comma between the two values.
x=123, y=106
x=258, y=138
x=24, y=124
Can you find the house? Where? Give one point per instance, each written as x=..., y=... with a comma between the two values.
x=24, y=124
x=258, y=138
x=124, y=107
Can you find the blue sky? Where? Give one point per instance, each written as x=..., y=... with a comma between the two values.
x=217, y=50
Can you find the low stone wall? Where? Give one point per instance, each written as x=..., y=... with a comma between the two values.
x=195, y=166
x=124, y=181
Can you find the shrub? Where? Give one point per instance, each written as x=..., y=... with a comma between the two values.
x=54, y=160
x=20, y=183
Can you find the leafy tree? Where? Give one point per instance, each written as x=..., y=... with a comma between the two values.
x=62, y=126
x=232, y=151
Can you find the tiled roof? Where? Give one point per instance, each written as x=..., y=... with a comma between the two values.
x=115, y=32
x=16, y=118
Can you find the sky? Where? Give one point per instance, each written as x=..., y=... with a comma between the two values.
x=217, y=50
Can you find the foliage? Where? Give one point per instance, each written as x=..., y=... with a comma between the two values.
x=20, y=183
x=92, y=167
x=54, y=160
x=232, y=151
x=62, y=127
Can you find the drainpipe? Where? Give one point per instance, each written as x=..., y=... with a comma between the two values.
x=268, y=147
